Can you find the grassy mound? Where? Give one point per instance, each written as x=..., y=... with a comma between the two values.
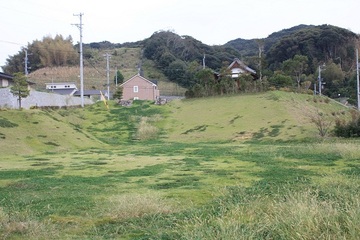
x=238, y=167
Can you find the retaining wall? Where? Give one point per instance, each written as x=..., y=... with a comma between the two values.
x=39, y=99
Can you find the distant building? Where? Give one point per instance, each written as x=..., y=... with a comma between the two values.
x=92, y=93
x=140, y=88
x=62, y=88
x=5, y=80
x=237, y=68
x=69, y=88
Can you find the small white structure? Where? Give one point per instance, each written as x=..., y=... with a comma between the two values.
x=62, y=88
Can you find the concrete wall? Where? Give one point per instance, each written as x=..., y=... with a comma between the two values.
x=40, y=99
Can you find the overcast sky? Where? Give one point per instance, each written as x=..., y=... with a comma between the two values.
x=212, y=22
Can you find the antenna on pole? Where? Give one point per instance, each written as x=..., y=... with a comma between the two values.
x=81, y=60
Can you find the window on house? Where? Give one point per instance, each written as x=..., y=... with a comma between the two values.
x=136, y=88
x=136, y=98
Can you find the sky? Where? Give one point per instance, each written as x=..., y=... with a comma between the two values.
x=213, y=22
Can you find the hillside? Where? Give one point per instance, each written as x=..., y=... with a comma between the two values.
x=268, y=116
x=126, y=60
x=213, y=168
x=249, y=47
x=32, y=131
x=175, y=60
x=319, y=43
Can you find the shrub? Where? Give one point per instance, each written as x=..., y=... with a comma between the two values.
x=4, y=123
x=348, y=129
x=321, y=121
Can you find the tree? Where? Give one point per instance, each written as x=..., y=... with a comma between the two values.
x=118, y=93
x=296, y=67
x=118, y=78
x=205, y=78
x=261, y=46
x=48, y=52
x=20, y=87
x=334, y=78
x=278, y=80
x=176, y=72
x=321, y=121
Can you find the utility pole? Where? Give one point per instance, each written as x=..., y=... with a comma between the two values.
x=26, y=60
x=107, y=55
x=116, y=77
x=320, y=80
x=204, y=65
x=81, y=60
x=357, y=78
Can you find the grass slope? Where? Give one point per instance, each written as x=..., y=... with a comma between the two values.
x=213, y=168
x=33, y=131
x=270, y=116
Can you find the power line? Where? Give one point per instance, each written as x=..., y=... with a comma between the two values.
x=14, y=43
x=87, y=60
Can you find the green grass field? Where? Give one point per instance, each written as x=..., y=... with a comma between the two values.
x=236, y=167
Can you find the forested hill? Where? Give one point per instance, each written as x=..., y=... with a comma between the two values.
x=318, y=43
x=250, y=47
x=179, y=58
x=171, y=51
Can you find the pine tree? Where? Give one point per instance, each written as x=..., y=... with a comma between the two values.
x=20, y=87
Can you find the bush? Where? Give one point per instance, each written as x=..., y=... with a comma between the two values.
x=348, y=129
x=321, y=121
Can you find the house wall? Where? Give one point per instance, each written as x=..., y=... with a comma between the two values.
x=146, y=90
x=236, y=72
x=4, y=83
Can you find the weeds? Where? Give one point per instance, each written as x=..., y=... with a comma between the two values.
x=4, y=123
x=25, y=225
x=127, y=206
x=146, y=130
x=287, y=214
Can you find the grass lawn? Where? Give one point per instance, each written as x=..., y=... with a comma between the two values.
x=215, y=175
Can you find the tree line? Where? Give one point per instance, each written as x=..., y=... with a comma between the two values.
x=48, y=52
x=288, y=59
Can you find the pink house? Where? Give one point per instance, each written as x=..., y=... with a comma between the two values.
x=140, y=88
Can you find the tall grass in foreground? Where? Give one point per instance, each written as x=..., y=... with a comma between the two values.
x=146, y=129
x=127, y=206
x=16, y=225
x=327, y=211
x=331, y=211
